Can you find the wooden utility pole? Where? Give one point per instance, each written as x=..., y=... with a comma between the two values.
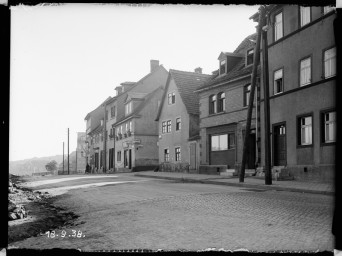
x=68, y=152
x=256, y=59
x=267, y=134
x=63, y=157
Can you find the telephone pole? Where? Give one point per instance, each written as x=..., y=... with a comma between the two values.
x=268, y=168
x=68, y=153
x=256, y=59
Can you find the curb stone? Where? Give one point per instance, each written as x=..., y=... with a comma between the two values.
x=267, y=187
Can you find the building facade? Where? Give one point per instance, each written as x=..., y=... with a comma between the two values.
x=132, y=133
x=223, y=110
x=178, y=119
x=302, y=80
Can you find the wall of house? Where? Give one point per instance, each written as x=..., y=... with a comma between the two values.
x=175, y=138
x=315, y=162
x=110, y=141
x=233, y=119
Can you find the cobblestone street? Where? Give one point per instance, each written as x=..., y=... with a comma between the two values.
x=158, y=214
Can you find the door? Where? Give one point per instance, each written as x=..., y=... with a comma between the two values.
x=97, y=160
x=125, y=158
x=192, y=156
x=279, y=145
x=130, y=159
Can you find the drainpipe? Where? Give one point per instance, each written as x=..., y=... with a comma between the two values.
x=256, y=58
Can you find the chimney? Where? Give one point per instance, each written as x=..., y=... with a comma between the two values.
x=154, y=65
x=118, y=90
x=198, y=70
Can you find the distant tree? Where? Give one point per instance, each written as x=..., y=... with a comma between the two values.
x=51, y=166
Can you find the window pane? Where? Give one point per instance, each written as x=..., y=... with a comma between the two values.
x=223, y=142
x=304, y=15
x=278, y=26
x=214, y=143
x=330, y=62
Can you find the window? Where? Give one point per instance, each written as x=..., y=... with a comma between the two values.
x=305, y=130
x=327, y=9
x=128, y=108
x=171, y=98
x=178, y=154
x=278, y=26
x=130, y=126
x=219, y=142
x=247, y=91
x=250, y=55
x=222, y=67
x=164, y=127
x=329, y=130
x=178, y=124
x=107, y=115
x=117, y=131
x=118, y=156
x=231, y=140
x=305, y=71
x=305, y=15
x=212, y=104
x=168, y=126
x=126, y=127
x=166, y=155
x=121, y=129
x=330, y=62
x=278, y=81
x=112, y=112
x=221, y=100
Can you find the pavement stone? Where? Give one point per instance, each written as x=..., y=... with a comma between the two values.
x=250, y=182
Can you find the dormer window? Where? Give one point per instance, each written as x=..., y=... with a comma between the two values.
x=128, y=108
x=249, y=57
x=222, y=67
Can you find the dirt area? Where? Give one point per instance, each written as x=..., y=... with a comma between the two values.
x=41, y=215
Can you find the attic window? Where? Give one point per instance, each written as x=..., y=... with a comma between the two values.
x=250, y=55
x=222, y=67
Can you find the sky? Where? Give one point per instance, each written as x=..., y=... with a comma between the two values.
x=67, y=59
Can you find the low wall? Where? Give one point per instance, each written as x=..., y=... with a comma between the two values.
x=212, y=169
x=42, y=173
x=172, y=167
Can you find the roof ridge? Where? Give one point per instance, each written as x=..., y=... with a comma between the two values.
x=189, y=72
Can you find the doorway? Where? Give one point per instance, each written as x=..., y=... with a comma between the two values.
x=279, y=144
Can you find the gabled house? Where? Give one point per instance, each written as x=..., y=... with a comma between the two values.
x=134, y=130
x=93, y=121
x=223, y=111
x=302, y=86
x=111, y=119
x=178, y=121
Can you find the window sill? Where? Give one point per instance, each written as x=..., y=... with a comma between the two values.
x=278, y=93
x=333, y=143
x=305, y=146
x=217, y=114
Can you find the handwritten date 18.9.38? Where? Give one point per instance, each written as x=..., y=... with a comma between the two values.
x=63, y=233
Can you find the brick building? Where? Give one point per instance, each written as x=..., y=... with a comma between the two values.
x=178, y=119
x=223, y=110
x=302, y=79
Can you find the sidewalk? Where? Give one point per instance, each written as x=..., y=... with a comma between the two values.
x=249, y=182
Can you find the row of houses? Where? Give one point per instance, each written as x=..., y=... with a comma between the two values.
x=192, y=122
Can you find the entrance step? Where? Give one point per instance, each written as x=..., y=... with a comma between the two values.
x=229, y=173
x=278, y=173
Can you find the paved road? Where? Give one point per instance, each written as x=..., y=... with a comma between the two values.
x=160, y=214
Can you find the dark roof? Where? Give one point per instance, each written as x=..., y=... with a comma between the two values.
x=187, y=83
x=239, y=69
x=140, y=107
x=101, y=105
